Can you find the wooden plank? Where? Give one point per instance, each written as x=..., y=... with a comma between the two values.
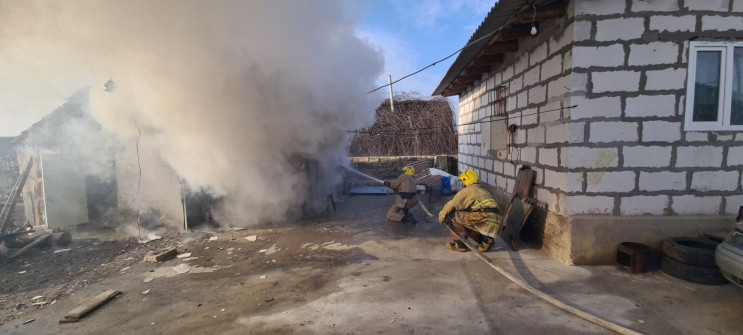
x=501, y=47
x=475, y=70
x=39, y=240
x=488, y=60
x=80, y=311
x=161, y=255
x=7, y=211
x=524, y=182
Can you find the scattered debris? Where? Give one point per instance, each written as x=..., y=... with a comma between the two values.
x=79, y=312
x=213, y=238
x=40, y=303
x=184, y=255
x=161, y=255
x=252, y=238
x=152, y=237
x=269, y=300
x=37, y=297
x=21, y=272
x=263, y=250
x=61, y=250
x=28, y=321
x=148, y=279
x=124, y=269
x=189, y=259
x=224, y=309
x=181, y=268
x=43, y=238
x=263, y=277
x=146, y=291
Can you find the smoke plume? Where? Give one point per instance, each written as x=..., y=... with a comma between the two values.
x=234, y=96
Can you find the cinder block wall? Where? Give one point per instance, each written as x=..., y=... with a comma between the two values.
x=629, y=153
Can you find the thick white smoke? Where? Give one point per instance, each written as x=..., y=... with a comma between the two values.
x=232, y=95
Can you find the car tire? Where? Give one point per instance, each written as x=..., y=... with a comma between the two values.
x=692, y=251
x=692, y=273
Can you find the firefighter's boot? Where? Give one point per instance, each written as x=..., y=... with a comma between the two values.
x=485, y=243
x=457, y=245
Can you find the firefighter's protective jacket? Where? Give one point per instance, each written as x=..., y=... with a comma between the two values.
x=404, y=184
x=475, y=198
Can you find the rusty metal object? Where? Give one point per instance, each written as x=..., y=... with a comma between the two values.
x=632, y=257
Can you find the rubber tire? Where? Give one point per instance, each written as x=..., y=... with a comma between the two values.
x=695, y=274
x=692, y=251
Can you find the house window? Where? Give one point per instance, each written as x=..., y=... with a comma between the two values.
x=714, y=91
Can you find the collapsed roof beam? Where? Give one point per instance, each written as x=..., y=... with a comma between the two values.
x=501, y=47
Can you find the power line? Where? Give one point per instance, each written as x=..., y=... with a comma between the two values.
x=438, y=61
x=411, y=131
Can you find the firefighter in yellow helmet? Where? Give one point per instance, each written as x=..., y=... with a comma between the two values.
x=472, y=212
x=404, y=185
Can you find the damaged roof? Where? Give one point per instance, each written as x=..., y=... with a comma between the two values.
x=52, y=124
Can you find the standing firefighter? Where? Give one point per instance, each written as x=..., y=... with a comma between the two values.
x=474, y=212
x=404, y=185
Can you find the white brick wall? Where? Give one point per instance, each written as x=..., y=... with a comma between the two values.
x=673, y=23
x=655, y=6
x=552, y=67
x=582, y=30
x=559, y=41
x=707, y=5
x=581, y=204
x=735, y=154
x=577, y=133
x=588, y=108
x=738, y=7
x=639, y=205
x=706, y=156
x=619, y=29
x=593, y=158
x=555, y=179
x=608, y=56
x=558, y=133
x=564, y=155
x=722, y=23
x=599, y=7
x=539, y=54
x=548, y=156
x=575, y=181
x=647, y=156
x=531, y=76
x=715, y=180
x=662, y=181
x=693, y=205
x=522, y=99
x=615, y=81
x=621, y=181
x=602, y=132
x=558, y=86
x=546, y=196
x=650, y=106
x=538, y=94
x=528, y=155
x=653, y=53
x=663, y=131
x=696, y=136
x=535, y=135
x=668, y=79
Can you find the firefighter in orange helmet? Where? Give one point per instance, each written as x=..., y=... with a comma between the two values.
x=472, y=212
x=404, y=185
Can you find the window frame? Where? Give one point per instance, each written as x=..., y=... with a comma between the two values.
x=726, y=87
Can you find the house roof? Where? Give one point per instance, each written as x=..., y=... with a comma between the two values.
x=500, y=23
x=52, y=126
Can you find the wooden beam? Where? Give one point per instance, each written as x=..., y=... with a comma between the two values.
x=551, y=11
x=501, y=47
x=455, y=86
x=517, y=31
x=468, y=78
x=477, y=69
x=488, y=60
x=15, y=193
x=89, y=306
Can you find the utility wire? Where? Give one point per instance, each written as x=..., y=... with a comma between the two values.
x=438, y=61
x=139, y=182
x=408, y=131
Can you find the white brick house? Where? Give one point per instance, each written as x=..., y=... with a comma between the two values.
x=631, y=112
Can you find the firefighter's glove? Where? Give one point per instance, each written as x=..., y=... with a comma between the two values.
x=442, y=216
x=386, y=183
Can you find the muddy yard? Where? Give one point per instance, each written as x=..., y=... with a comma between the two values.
x=353, y=273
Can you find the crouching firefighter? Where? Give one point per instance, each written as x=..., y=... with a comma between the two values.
x=472, y=212
x=404, y=185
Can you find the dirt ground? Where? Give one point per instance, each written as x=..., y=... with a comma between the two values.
x=353, y=273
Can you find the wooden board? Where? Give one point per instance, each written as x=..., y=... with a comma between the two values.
x=80, y=311
x=161, y=255
x=7, y=210
x=516, y=214
x=524, y=182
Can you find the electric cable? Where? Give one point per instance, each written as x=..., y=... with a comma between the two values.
x=139, y=181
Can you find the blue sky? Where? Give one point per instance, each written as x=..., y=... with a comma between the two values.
x=413, y=34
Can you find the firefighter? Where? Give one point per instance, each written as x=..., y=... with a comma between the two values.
x=404, y=185
x=472, y=212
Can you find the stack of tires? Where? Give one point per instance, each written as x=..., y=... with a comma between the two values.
x=691, y=259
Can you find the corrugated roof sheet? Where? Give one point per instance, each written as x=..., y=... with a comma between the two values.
x=498, y=16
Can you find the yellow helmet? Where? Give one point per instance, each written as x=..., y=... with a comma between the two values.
x=469, y=177
x=408, y=170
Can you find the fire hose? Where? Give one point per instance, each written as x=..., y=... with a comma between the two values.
x=544, y=296
x=523, y=284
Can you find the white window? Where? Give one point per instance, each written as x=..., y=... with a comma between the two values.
x=714, y=90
